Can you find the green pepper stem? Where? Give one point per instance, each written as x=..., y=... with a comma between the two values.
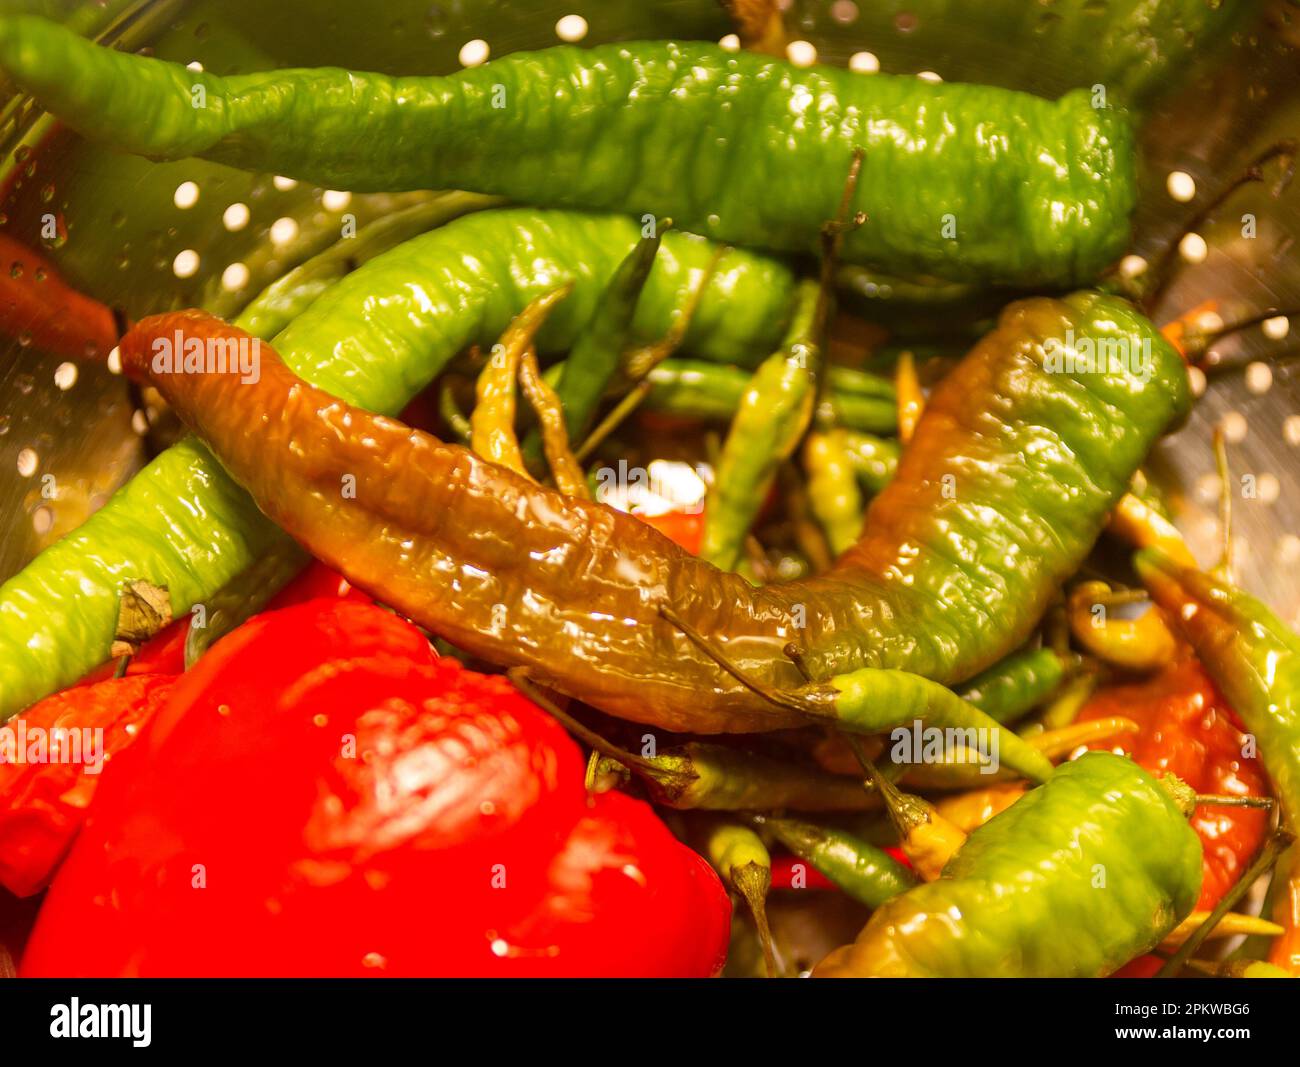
x=1278, y=842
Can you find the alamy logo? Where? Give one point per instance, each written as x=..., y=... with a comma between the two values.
x=179, y=354
x=76, y=1019
x=1098, y=355
x=20, y=743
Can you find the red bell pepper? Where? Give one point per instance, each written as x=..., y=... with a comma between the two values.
x=1188, y=729
x=322, y=796
x=45, y=789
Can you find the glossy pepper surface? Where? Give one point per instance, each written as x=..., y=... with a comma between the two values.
x=962, y=181
x=1073, y=880
x=1187, y=729
x=999, y=497
x=322, y=762
x=376, y=338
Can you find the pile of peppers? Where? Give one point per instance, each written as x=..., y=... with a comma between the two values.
x=578, y=564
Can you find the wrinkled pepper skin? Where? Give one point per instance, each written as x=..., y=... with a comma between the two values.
x=377, y=338
x=331, y=779
x=736, y=146
x=1000, y=496
x=1254, y=659
x=1025, y=897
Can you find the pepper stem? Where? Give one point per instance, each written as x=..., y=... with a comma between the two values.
x=752, y=882
x=1220, y=800
x=521, y=680
x=1278, y=842
x=773, y=696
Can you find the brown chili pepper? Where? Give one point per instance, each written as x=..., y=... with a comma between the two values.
x=1002, y=492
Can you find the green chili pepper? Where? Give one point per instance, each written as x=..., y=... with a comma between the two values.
x=772, y=418
x=1254, y=659
x=1073, y=880
x=378, y=339
x=284, y=300
x=597, y=353
x=1000, y=496
x=872, y=700
x=998, y=185
x=711, y=391
x=1013, y=687
x=874, y=459
x=833, y=495
x=738, y=854
x=868, y=874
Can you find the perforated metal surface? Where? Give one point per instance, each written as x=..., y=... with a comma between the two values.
x=140, y=237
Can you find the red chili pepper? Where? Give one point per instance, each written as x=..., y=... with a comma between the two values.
x=1141, y=967
x=1188, y=729
x=323, y=796
x=683, y=527
x=44, y=792
x=790, y=872
x=37, y=304
x=316, y=581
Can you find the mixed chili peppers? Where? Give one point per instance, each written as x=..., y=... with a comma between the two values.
x=933, y=540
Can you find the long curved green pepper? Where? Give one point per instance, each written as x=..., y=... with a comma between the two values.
x=773, y=416
x=868, y=874
x=285, y=299
x=375, y=338
x=1014, y=686
x=698, y=390
x=964, y=182
x=1102, y=858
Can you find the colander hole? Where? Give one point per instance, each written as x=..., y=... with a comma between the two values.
x=1234, y=427
x=1291, y=430
x=186, y=263
x=234, y=277
x=474, y=53
x=571, y=28
x=283, y=230
x=1259, y=378
x=844, y=11
x=1276, y=328
x=1196, y=381
x=65, y=376
x=1193, y=248
x=186, y=195
x=1181, y=186
x=1208, y=488
x=235, y=217
x=28, y=461
x=43, y=519
x=1268, y=488
x=284, y=184
x=335, y=199
x=929, y=76
x=801, y=53
x=864, y=63
x=730, y=43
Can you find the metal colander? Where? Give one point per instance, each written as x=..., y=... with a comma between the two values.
x=141, y=237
